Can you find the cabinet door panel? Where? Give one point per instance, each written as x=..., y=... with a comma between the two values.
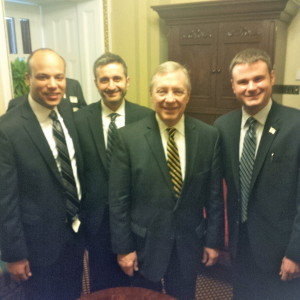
x=198, y=52
x=234, y=37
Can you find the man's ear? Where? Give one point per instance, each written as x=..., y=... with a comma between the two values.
x=272, y=76
x=128, y=81
x=27, y=78
x=232, y=86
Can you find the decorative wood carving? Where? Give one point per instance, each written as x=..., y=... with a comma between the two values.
x=196, y=34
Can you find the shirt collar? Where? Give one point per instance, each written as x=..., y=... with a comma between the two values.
x=179, y=126
x=260, y=117
x=106, y=111
x=41, y=112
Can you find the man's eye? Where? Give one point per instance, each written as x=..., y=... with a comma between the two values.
x=41, y=77
x=179, y=93
x=117, y=79
x=161, y=92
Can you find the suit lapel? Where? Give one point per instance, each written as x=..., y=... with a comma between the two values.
x=269, y=134
x=191, y=142
x=34, y=131
x=66, y=112
x=130, y=116
x=153, y=138
x=234, y=145
x=96, y=127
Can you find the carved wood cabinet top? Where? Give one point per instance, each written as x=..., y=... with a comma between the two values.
x=284, y=10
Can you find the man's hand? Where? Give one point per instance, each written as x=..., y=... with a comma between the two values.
x=19, y=270
x=210, y=256
x=128, y=263
x=289, y=269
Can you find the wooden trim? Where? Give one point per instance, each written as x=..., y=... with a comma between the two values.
x=224, y=10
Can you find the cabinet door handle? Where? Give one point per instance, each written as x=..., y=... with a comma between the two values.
x=219, y=70
x=213, y=70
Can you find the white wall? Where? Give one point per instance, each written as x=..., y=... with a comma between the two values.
x=292, y=61
x=31, y=12
x=73, y=29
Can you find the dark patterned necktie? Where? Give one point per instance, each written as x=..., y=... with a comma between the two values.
x=112, y=136
x=66, y=171
x=246, y=165
x=173, y=162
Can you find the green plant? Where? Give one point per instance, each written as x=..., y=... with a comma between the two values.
x=19, y=68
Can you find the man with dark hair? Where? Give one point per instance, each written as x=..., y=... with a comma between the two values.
x=163, y=174
x=261, y=160
x=94, y=124
x=40, y=192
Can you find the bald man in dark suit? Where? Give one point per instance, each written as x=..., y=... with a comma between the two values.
x=41, y=239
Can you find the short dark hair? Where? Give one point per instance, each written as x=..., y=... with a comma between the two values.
x=250, y=56
x=109, y=58
x=170, y=67
x=38, y=50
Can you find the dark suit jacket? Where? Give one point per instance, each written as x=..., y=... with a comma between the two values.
x=90, y=131
x=146, y=216
x=32, y=202
x=73, y=94
x=274, y=204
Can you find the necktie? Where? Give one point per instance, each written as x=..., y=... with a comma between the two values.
x=173, y=162
x=72, y=204
x=112, y=136
x=246, y=165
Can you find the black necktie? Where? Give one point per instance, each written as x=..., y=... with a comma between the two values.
x=246, y=165
x=112, y=136
x=173, y=162
x=66, y=171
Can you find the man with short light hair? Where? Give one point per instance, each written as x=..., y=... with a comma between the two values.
x=261, y=161
x=164, y=172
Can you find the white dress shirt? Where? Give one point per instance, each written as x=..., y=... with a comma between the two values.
x=42, y=114
x=261, y=118
x=120, y=119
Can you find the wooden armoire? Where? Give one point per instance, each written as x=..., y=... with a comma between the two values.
x=205, y=36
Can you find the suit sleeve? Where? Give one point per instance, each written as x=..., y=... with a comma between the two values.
x=12, y=239
x=119, y=200
x=293, y=249
x=215, y=204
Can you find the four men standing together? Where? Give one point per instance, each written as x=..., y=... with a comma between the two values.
x=150, y=192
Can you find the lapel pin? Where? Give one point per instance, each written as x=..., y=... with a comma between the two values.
x=272, y=130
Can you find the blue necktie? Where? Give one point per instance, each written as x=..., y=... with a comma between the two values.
x=246, y=165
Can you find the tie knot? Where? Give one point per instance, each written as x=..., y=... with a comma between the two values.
x=251, y=122
x=53, y=115
x=171, y=131
x=113, y=117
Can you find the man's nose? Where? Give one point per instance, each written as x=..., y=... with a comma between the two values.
x=170, y=97
x=251, y=85
x=52, y=82
x=111, y=84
